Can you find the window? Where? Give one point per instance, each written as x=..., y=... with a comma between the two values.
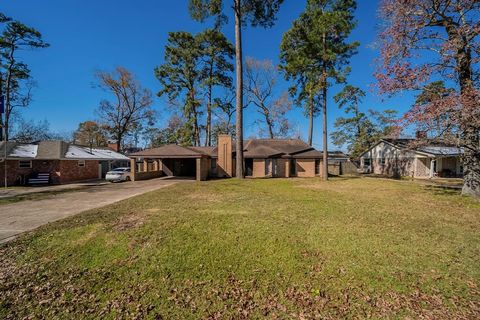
x=382, y=161
x=25, y=164
x=366, y=162
x=81, y=163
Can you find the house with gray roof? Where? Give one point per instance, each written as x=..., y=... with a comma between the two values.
x=407, y=157
x=263, y=158
x=60, y=161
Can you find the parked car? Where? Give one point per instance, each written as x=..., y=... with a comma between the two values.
x=119, y=174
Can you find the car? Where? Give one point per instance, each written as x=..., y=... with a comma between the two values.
x=118, y=174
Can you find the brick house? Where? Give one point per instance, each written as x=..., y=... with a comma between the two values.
x=64, y=162
x=263, y=158
x=400, y=158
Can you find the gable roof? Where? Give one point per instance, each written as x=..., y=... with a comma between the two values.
x=430, y=148
x=265, y=148
x=57, y=150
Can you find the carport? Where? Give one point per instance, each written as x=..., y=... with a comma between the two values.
x=171, y=160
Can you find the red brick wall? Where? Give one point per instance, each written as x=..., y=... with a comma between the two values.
x=16, y=175
x=63, y=171
x=70, y=171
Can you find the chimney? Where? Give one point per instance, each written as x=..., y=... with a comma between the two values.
x=224, y=148
x=421, y=135
x=113, y=146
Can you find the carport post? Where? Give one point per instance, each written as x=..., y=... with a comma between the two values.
x=133, y=168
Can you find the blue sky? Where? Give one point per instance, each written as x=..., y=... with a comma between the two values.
x=91, y=35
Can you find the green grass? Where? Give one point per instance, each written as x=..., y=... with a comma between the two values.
x=348, y=248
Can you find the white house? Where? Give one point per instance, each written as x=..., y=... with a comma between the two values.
x=398, y=157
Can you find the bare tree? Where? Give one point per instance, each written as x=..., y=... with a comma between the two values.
x=132, y=104
x=261, y=80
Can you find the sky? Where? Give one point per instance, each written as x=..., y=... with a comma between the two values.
x=90, y=35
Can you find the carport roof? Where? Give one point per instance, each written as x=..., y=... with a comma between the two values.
x=175, y=151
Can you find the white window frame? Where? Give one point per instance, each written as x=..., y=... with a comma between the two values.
x=81, y=163
x=24, y=162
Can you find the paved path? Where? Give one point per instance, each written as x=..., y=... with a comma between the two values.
x=27, y=215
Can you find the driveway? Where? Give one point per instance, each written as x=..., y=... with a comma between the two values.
x=27, y=215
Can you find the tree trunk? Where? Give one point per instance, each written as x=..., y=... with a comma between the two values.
x=310, y=118
x=208, y=129
x=325, y=135
x=239, y=89
x=8, y=86
x=471, y=158
x=325, y=130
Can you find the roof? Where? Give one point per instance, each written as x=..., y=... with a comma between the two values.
x=57, y=150
x=266, y=148
x=430, y=147
x=254, y=148
x=175, y=151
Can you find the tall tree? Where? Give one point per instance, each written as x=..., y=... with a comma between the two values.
x=180, y=76
x=3, y=19
x=131, y=107
x=253, y=12
x=315, y=52
x=90, y=133
x=431, y=40
x=216, y=55
x=261, y=88
x=15, y=38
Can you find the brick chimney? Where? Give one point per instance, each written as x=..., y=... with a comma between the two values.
x=421, y=135
x=113, y=146
x=224, y=164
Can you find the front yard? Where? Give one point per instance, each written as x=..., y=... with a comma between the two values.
x=349, y=248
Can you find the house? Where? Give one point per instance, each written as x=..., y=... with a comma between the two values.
x=400, y=157
x=263, y=158
x=64, y=162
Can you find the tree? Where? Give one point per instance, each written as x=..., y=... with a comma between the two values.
x=439, y=126
x=431, y=40
x=131, y=107
x=261, y=81
x=180, y=77
x=315, y=52
x=254, y=12
x=17, y=37
x=172, y=134
x=90, y=133
x=361, y=131
x=216, y=55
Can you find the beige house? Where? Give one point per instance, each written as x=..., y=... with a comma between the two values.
x=263, y=158
x=397, y=157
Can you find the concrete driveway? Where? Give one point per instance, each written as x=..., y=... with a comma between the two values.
x=27, y=215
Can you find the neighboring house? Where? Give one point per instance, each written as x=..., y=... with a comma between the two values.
x=263, y=158
x=398, y=157
x=64, y=162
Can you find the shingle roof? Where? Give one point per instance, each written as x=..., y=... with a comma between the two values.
x=171, y=151
x=432, y=147
x=265, y=148
x=57, y=150
x=254, y=148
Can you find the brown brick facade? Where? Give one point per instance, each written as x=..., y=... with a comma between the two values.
x=305, y=168
x=61, y=171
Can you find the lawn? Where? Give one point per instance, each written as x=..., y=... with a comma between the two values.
x=277, y=249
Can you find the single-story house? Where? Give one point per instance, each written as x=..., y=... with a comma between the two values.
x=64, y=162
x=404, y=157
x=263, y=158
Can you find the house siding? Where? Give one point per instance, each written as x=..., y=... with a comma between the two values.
x=70, y=171
x=306, y=168
x=61, y=171
x=258, y=168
